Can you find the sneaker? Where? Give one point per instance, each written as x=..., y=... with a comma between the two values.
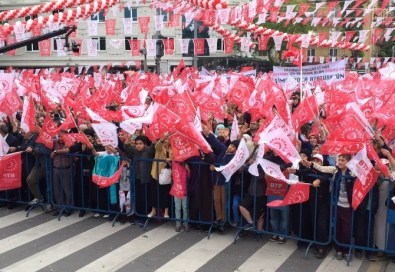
x=106, y=216
x=96, y=215
x=248, y=226
x=178, y=228
x=234, y=224
x=339, y=255
x=151, y=214
x=48, y=208
x=35, y=201
x=274, y=238
x=320, y=253
x=281, y=240
x=371, y=258
x=221, y=226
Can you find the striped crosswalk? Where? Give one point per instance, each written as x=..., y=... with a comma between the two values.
x=42, y=243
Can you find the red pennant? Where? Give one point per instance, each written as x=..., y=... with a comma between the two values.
x=11, y=171
x=199, y=46
x=110, y=27
x=45, y=48
x=228, y=45
x=169, y=46
x=135, y=47
x=144, y=24
x=349, y=35
x=303, y=8
x=263, y=41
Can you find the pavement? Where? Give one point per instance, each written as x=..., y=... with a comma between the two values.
x=42, y=243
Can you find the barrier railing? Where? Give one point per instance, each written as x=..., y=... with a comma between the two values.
x=67, y=186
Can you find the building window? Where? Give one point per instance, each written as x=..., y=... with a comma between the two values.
x=98, y=16
x=127, y=43
x=55, y=43
x=101, y=45
x=333, y=52
x=33, y=47
x=311, y=52
x=165, y=14
x=220, y=45
x=57, y=11
x=130, y=13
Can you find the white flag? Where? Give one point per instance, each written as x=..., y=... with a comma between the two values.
x=360, y=165
x=6, y=80
x=92, y=28
x=235, y=129
x=278, y=40
x=60, y=47
x=116, y=43
x=158, y=22
x=127, y=26
x=107, y=133
x=94, y=116
x=3, y=146
x=92, y=47
x=238, y=161
x=151, y=47
x=212, y=45
x=184, y=45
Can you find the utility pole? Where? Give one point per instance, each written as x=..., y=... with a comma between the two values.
x=195, y=58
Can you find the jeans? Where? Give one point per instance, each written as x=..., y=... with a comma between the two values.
x=391, y=238
x=181, y=203
x=279, y=220
x=235, y=208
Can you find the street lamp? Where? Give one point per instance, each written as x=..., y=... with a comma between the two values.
x=144, y=52
x=393, y=51
x=160, y=51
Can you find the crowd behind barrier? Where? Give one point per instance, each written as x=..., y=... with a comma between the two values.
x=317, y=224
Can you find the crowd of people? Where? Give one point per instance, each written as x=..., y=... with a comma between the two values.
x=205, y=192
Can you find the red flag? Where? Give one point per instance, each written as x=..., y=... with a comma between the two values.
x=303, y=8
x=297, y=193
x=169, y=46
x=69, y=122
x=28, y=115
x=47, y=132
x=174, y=20
x=349, y=130
x=110, y=27
x=228, y=45
x=373, y=156
x=10, y=171
x=45, y=48
x=340, y=147
x=179, y=176
x=144, y=23
x=189, y=131
x=295, y=53
x=104, y=182
x=361, y=190
x=199, y=46
x=11, y=103
x=182, y=147
x=135, y=47
x=263, y=41
x=70, y=138
x=241, y=92
x=305, y=112
x=164, y=121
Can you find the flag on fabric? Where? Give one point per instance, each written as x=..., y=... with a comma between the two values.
x=11, y=103
x=107, y=133
x=130, y=126
x=199, y=46
x=4, y=147
x=234, y=133
x=297, y=193
x=6, y=81
x=71, y=138
x=179, y=177
x=270, y=168
x=105, y=172
x=360, y=165
x=340, y=147
x=182, y=147
x=95, y=117
x=48, y=131
x=373, y=155
x=361, y=190
x=238, y=161
x=164, y=121
x=279, y=142
x=28, y=115
x=305, y=112
x=69, y=122
x=295, y=53
x=189, y=131
x=11, y=171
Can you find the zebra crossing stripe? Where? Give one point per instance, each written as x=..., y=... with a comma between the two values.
x=63, y=249
x=269, y=257
x=198, y=254
x=16, y=217
x=130, y=251
x=36, y=232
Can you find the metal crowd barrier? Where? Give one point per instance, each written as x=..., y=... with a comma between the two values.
x=78, y=192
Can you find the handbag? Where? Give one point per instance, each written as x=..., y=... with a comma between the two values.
x=165, y=176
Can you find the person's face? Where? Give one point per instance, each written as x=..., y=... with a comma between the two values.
x=317, y=161
x=313, y=140
x=341, y=163
x=90, y=138
x=304, y=156
x=139, y=145
x=122, y=136
x=231, y=149
x=316, y=150
x=253, y=126
x=98, y=141
x=225, y=133
x=295, y=101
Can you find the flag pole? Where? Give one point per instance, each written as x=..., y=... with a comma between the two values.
x=301, y=75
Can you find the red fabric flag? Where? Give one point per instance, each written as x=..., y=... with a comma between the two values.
x=373, y=156
x=144, y=24
x=275, y=187
x=69, y=122
x=110, y=27
x=228, y=45
x=169, y=46
x=297, y=193
x=104, y=182
x=199, y=46
x=241, y=92
x=340, y=147
x=28, y=115
x=164, y=121
x=174, y=20
x=209, y=17
x=361, y=190
x=11, y=103
x=296, y=54
x=70, y=138
x=349, y=130
x=45, y=48
x=182, y=147
x=349, y=35
x=11, y=171
x=135, y=47
x=179, y=176
x=302, y=9
x=189, y=131
x=322, y=36
x=47, y=132
x=305, y=112
x=181, y=104
x=263, y=41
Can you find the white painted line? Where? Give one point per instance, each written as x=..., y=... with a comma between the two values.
x=132, y=250
x=64, y=249
x=269, y=257
x=37, y=232
x=17, y=217
x=330, y=263
x=198, y=254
